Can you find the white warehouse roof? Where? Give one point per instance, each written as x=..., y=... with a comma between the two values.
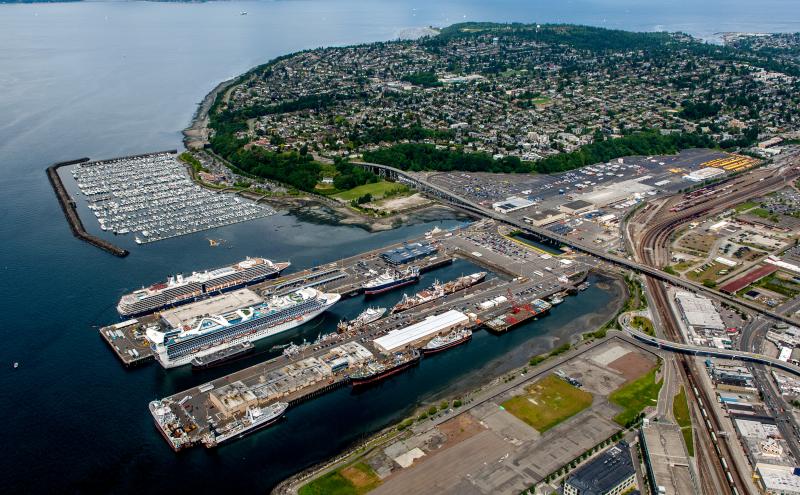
x=430, y=326
x=699, y=311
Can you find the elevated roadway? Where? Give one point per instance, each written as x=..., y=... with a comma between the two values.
x=470, y=206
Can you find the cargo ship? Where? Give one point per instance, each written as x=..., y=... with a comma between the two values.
x=390, y=280
x=517, y=315
x=209, y=333
x=182, y=289
x=253, y=420
x=376, y=371
x=368, y=316
x=443, y=342
x=222, y=356
x=437, y=291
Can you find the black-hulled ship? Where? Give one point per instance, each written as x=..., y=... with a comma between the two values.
x=376, y=371
x=222, y=356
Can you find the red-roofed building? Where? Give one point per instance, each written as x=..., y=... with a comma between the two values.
x=748, y=278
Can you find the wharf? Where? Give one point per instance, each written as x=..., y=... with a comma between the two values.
x=128, y=342
x=194, y=412
x=344, y=277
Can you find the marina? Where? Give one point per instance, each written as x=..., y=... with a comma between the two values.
x=153, y=198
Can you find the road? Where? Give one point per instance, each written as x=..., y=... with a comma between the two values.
x=765, y=180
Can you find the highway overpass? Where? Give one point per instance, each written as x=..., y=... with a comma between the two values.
x=465, y=204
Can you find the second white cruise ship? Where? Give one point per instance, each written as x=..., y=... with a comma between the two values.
x=202, y=332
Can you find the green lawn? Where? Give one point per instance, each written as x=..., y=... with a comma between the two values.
x=643, y=324
x=548, y=402
x=634, y=396
x=355, y=479
x=377, y=190
x=747, y=205
x=680, y=409
x=765, y=214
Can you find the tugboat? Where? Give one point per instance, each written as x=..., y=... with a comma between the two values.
x=376, y=371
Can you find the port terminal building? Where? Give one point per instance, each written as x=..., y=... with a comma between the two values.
x=408, y=253
x=404, y=338
x=610, y=473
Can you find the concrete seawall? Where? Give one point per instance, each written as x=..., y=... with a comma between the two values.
x=71, y=212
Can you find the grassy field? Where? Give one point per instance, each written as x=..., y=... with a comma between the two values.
x=747, y=205
x=643, y=324
x=355, y=479
x=377, y=190
x=680, y=409
x=548, y=402
x=708, y=271
x=634, y=396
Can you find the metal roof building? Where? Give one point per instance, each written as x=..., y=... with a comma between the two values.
x=409, y=253
x=429, y=327
x=699, y=312
x=610, y=473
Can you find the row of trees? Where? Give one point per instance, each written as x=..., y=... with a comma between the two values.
x=293, y=168
x=350, y=176
x=639, y=143
x=418, y=157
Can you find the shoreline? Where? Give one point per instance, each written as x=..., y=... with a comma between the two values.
x=308, y=207
x=473, y=382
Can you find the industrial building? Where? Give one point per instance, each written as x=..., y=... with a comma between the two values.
x=577, y=207
x=704, y=174
x=698, y=312
x=417, y=333
x=512, y=203
x=610, y=473
x=778, y=480
x=544, y=217
x=666, y=459
x=408, y=253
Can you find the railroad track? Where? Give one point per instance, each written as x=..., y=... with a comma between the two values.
x=715, y=454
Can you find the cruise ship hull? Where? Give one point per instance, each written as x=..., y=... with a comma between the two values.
x=129, y=313
x=252, y=336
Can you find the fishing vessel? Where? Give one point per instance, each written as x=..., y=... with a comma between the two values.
x=222, y=356
x=182, y=289
x=390, y=280
x=437, y=291
x=443, y=342
x=376, y=371
x=365, y=318
x=256, y=418
x=208, y=333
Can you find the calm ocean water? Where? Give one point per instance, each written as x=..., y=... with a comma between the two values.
x=107, y=79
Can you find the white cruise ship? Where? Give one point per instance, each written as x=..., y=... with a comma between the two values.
x=209, y=333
